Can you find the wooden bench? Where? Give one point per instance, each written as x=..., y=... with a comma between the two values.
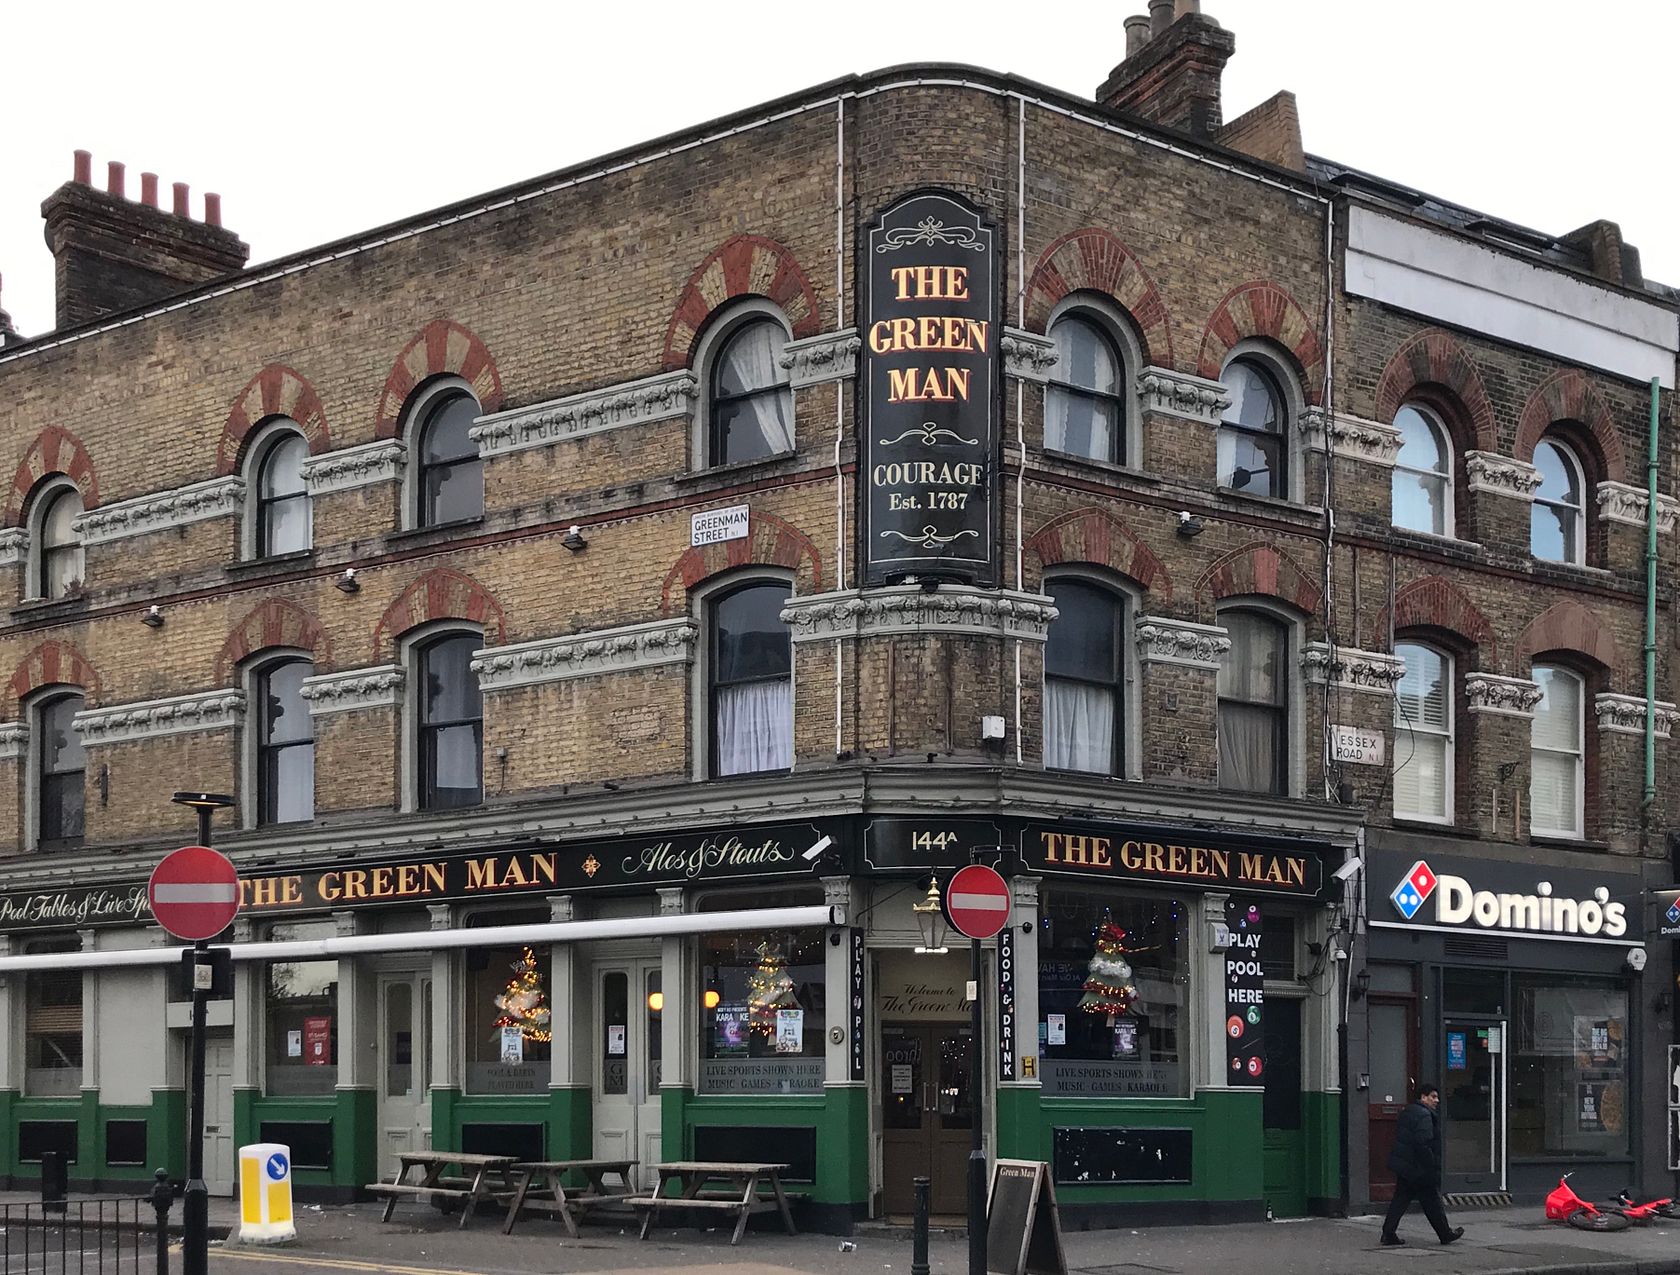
x=742, y=1198
x=552, y=1197
x=470, y=1190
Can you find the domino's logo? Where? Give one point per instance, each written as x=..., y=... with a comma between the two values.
x=1673, y=913
x=1410, y=894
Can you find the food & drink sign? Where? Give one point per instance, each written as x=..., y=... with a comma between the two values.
x=931, y=343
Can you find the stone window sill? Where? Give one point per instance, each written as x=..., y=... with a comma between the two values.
x=435, y=532
x=1107, y=468
x=47, y=608
x=276, y=563
x=722, y=473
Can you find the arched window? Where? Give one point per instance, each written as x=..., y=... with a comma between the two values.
x=285, y=521
x=1557, y=756
x=1084, y=410
x=750, y=663
x=60, y=768
x=451, y=723
x=1251, y=433
x=750, y=406
x=1558, y=521
x=59, y=564
x=1423, y=735
x=1254, y=703
x=1083, y=679
x=1423, y=473
x=285, y=744
x=451, y=478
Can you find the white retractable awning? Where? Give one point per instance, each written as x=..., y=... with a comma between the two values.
x=640, y=927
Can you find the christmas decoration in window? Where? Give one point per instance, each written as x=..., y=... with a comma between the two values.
x=769, y=989
x=522, y=1002
x=1108, y=988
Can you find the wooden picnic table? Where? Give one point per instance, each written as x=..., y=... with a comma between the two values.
x=471, y=1188
x=541, y=1188
x=740, y=1197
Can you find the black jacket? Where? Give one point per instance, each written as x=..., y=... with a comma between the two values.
x=1417, y=1146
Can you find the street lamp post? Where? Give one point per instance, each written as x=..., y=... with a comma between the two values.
x=195, y=1200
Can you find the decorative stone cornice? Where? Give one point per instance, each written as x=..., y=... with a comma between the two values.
x=828, y=356
x=162, y=511
x=1027, y=355
x=634, y=646
x=148, y=719
x=14, y=739
x=1351, y=437
x=1501, y=475
x=351, y=467
x=377, y=686
x=1620, y=502
x=1491, y=693
x=1192, y=398
x=953, y=609
x=1375, y=672
x=654, y=398
x=1164, y=640
x=14, y=546
x=1625, y=715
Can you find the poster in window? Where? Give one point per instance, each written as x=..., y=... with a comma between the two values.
x=790, y=1031
x=513, y=1045
x=294, y=1044
x=1598, y=1043
x=1055, y=1029
x=901, y=1078
x=1456, y=1060
x=1126, y=1039
x=1589, y=1106
x=317, y=1041
x=615, y=1040
x=730, y=1031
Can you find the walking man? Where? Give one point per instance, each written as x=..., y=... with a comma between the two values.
x=1416, y=1165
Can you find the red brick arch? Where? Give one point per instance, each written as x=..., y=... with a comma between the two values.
x=1095, y=260
x=1260, y=569
x=277, y=390
x=1434, y=359
x=1569, y=626
x=440, y=594
x=275, y=622
x=1095, y=536
x=1567, y=395
x=55, y=663
x=54, y=451
x=744, y=266
x=443, y=348
x=1434, y=602
x=769, y=542
x=1267, y=311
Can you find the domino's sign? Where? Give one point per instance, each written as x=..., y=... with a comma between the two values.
x=1424, y=897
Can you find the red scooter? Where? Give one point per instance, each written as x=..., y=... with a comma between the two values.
x=1563, y=1205
x=1644, y=1213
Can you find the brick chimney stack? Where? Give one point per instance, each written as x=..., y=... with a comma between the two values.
x=114, y=254
x=1173, y=78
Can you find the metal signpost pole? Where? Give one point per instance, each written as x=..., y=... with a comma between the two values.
x=195, y=1201
x=976, y=1146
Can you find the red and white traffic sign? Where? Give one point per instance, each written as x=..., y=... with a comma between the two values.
x=978, y=901
x=194, y=893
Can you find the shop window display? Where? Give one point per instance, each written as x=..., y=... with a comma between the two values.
x=1569, y=1070
x=763, y=1012
x=1113, y=991
x=52, y=1040
x=301, y=1012
x=509, y=1036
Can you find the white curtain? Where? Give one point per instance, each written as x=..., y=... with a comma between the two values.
x=755, y=356
x=1078, y=726
x=1248, y=739
x=754, y=727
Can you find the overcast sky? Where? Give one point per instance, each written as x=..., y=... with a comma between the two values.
x=316, y=120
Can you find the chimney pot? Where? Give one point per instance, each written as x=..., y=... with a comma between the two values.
x=1160, y=16
x=114, y=178
x=1182, y=7
x=84, y=168
x=1137, y=33
x=148, y=189
x=181, y=199
x=212, y=209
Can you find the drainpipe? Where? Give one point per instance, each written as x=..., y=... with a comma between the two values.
x=1651, y=602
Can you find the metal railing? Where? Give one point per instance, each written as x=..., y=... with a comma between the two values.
x=93, y=1235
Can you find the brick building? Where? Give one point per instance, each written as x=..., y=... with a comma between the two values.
x=628, y=587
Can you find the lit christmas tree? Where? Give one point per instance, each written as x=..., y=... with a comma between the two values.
x=522, y=1001
x=1108, y=983
x=769, y=989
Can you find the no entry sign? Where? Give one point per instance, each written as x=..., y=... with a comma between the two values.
x=978, y=901
x=194, y=893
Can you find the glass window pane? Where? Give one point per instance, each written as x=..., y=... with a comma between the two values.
x=1390, y=1050
x=1553, y=793
x=453, y=761
x=453, y=492
x=1254, y=401
x=749, y=638
x=1085, y=357
x=1084, y=636
x=63, y=806
x=1553, y=532
x=286, y=526
x=301, y=1018
x=1420, y=502
x=445, y=438
x=1253, y=668
x=510, y=1011
x=1079, y=726
x=1559, y=478
x=58, y=525
x=53, y=1025
x=1421, y=444
x=1250, y=747
x=615, y=1033
x=752, y=359
x=61, y=746
x=1569, y=1068
x=1420, y=774
x=288, y=784
x=1082, y=425
x=1557, y=718
x=1250, y=462
x=285, y=714
x=452, y=692
x=754, y=727
x=1423, y=698
x=282, y=471
x=753, y=427
x=763, y=1020
x=399, y=1040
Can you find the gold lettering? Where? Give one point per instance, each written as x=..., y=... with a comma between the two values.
x=1152, y=857
x=408, y=879
x=1101, y=852
x=434, y=878
x=381, y=882
x=931, y=283
x=1297, y=871
x=328, y=886
x=481, y=874
x=1222, y=864
x=293, y=890
x=1250, y=867
x=1176, y=863
x=542, y=865
x=1052, y=842
x=903, y=386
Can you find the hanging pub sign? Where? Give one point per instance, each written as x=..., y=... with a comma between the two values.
x=1245, y=996
x=931, y=346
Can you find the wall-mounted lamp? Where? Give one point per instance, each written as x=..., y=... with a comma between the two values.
x=1189, y=525
x=153, y=619
x=347, y=583
x=573, y=540
x=656, y=1001
x=1361, y=984
x=930, y=920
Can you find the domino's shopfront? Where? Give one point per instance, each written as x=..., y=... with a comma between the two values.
x=1514, y=984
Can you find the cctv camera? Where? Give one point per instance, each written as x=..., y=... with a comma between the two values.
x=1350, y=869
x=1636, y=959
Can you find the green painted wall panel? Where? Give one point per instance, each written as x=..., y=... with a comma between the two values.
x=1321, y=1123
x=840, y=1117
x=166, y=1131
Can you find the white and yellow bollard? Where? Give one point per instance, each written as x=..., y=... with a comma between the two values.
x=265, y=1194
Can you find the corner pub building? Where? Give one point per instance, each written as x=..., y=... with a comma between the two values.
x=611, y=598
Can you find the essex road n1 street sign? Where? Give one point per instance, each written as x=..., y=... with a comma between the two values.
x=978, y=901
x=194, y=893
